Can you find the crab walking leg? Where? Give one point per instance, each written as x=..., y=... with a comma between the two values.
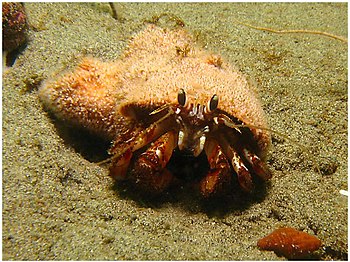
x=149, y=171
x=257, y=164
x=243, y=175
x=219, y=175
x=119, y=167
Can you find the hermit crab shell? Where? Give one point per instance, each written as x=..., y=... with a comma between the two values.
x=157, y=64
x=162, y=61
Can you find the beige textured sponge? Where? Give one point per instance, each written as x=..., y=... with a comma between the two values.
x=156, y=64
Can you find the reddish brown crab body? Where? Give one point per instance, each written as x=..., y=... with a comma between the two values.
x=155, y=99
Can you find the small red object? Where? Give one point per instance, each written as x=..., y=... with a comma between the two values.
x=290, y=243
x=14, y=25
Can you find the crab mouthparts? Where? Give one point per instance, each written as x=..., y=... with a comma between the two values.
x=194, y=142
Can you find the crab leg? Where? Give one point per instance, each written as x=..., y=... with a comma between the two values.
x=119, y=167
x=219, y=174
x=257, y=164
x=149, y=171
x=243, y=175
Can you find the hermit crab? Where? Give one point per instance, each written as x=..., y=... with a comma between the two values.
x=165, y=94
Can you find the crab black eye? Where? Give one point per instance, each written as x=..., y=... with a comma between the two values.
x=181, y=97
x=213, y=103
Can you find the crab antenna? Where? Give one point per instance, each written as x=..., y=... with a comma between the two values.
x=159, y=109
x=224, y=119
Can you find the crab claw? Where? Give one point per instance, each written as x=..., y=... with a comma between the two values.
x=149, y=171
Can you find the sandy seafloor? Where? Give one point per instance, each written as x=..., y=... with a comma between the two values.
x=60, y=205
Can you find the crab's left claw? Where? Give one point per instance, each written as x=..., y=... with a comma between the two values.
x=150, y=171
